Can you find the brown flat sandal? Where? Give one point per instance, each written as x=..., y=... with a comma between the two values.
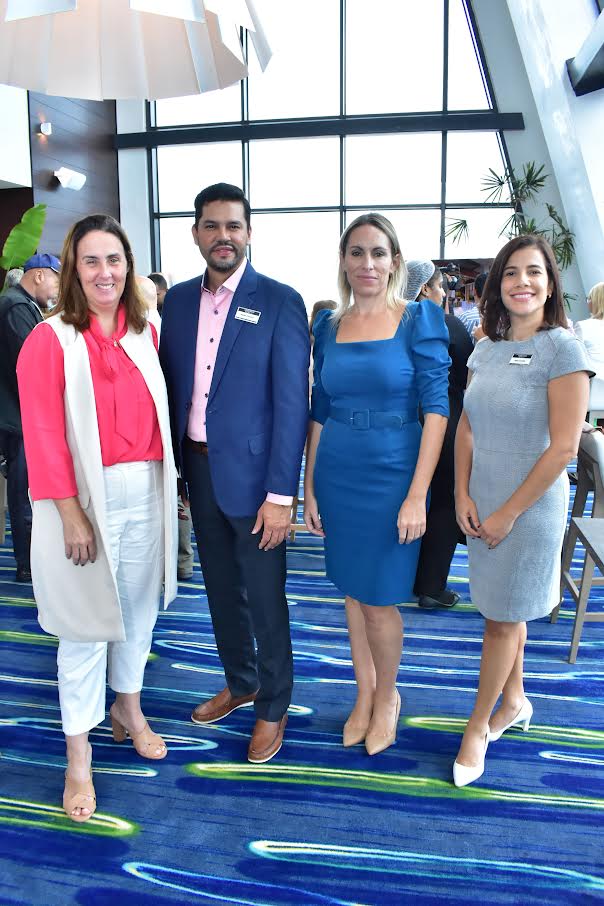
x=144, y=742
x=79, y=794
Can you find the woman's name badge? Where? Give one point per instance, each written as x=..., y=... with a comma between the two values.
x=521, y=358
x=247, y=314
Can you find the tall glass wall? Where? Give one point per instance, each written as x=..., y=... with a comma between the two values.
x=361, y=65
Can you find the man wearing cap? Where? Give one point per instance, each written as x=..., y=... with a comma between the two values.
x=21, y=308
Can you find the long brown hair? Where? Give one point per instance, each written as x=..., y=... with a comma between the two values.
x=495, y=317
x=72, y=304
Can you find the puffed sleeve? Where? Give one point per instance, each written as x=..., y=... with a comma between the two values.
x=41, y=378
x=429, y=351
x=320, y=401
x=570, y=356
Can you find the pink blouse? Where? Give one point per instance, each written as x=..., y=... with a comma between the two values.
x=128, y=426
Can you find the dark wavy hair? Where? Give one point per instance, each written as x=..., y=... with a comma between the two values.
x=495, y=318
x=72, y=304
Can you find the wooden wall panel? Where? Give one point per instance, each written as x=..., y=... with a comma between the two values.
x=82, y=140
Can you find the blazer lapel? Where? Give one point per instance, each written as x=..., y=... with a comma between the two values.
x=244, y=294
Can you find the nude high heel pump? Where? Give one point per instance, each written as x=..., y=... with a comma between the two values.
x=377, y=742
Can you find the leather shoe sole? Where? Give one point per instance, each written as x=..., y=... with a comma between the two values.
x=225, y=704
x=260, y=756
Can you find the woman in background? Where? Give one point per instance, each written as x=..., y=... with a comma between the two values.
x=103, y=485
x=369, y=463
x=442, y=532
x=521, y=424
x=591, y=334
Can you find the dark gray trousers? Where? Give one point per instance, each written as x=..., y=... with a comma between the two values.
x=246, y=594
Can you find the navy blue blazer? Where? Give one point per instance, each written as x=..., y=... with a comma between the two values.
x=257, y=410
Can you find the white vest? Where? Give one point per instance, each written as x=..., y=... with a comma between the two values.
x=82, y=603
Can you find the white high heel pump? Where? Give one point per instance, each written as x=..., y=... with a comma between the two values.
x=464, y=774
x=523, y=717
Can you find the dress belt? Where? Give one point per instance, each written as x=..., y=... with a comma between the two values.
x=363, y=419
x=199, y=446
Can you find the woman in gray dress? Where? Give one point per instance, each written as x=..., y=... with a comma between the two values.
x=523, y=411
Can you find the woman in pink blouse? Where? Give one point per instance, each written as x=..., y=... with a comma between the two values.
x=103, y=486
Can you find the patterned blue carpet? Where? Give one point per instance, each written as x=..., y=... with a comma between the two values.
x=320, y=824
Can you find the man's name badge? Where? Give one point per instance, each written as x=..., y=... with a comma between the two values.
x=521, y=358
x=247, y=314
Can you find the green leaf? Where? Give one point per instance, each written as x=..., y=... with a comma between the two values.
x=494, y=184
x=458, y=230
x=531, y=182
x=24, y=238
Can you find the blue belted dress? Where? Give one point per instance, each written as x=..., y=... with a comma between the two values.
x=366, y=395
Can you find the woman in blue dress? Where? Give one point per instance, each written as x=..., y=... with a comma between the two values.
x=369, y=463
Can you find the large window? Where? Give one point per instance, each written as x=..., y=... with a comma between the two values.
x=383, y=106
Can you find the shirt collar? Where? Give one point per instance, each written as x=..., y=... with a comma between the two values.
x=231, y=283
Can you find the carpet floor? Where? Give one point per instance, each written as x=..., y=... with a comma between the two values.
x=319, y=824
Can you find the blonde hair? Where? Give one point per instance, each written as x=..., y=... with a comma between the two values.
x=397, y=280
x=596, y=300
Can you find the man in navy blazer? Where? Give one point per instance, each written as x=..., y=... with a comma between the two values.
x=235, y=352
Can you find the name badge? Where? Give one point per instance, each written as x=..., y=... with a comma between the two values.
x=521, y=358
x=247, y=314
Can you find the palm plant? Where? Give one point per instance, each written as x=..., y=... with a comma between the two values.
x=522, y=188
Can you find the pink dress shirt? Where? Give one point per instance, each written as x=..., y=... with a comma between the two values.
x=213, y=311
x=128, y=426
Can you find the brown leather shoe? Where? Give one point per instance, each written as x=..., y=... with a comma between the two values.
x=266, y=740
x=220, y=706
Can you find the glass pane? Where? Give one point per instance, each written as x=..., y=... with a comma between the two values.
x=484, y=226
x=394, y=56
x=303, y=172
x=466, y=89
x=180, y=257
x=393, y=169
x=300, y=250
x=469, y=157
x=184, y=170
x=223, y=106
x=303, y=76
x=418, y=231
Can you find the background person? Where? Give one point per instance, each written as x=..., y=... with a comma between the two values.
x=521, y=424
x=471, y=317
x=322, y=305
x=161, y=288
x=369, y=463
x=21, y=308
x=591, y=334
x=442, y=532
x=235, y=351
x=97, y=439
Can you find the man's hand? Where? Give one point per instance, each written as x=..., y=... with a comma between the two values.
x=276, y=520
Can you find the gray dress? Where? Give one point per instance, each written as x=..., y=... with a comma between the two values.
x=507, y=407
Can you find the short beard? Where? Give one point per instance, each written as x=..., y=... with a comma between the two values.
x=223, y=266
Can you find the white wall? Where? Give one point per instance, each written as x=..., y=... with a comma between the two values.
x=133, y=185
x=15, y=156
x=527, y=43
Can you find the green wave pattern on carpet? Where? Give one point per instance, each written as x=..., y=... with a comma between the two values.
x=319, y=824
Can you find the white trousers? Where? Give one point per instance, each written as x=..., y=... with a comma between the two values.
x=134, y=495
